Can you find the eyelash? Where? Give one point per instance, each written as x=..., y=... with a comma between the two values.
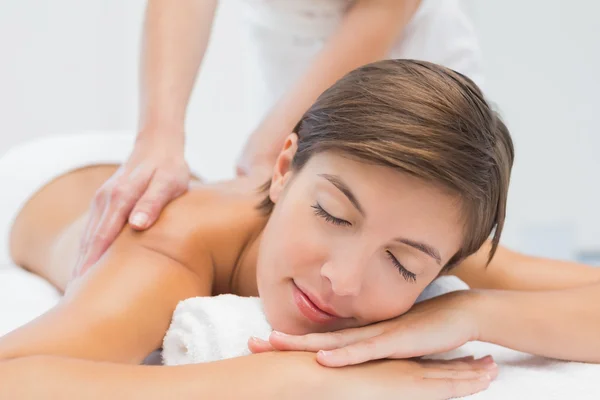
x=328, y=217
x=406, y=274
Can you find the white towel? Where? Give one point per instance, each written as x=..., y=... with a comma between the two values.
x=205, y=329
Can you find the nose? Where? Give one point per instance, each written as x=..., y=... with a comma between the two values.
x=345, y=278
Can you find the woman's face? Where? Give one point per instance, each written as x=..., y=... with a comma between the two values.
x=349, y=243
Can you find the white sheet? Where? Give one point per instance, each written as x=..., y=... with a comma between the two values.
x=24, y=296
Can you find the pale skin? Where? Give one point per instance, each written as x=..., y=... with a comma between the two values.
x=176, y=35
x=212, y=240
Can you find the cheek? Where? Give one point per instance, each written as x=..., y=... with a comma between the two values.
x=297, y=245
x=289, y=249
x=389, y=297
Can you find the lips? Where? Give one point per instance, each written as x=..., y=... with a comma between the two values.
x=309, y=306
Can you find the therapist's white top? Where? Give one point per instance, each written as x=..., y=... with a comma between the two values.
x=287, y=34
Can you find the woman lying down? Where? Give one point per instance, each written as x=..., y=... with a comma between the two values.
x=396, y=175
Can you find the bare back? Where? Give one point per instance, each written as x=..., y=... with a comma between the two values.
x=122, y=307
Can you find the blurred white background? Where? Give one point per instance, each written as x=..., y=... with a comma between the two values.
x=71, y=66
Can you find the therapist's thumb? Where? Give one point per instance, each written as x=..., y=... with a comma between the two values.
x=162, y=190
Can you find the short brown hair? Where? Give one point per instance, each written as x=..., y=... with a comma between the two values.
x=422, y=119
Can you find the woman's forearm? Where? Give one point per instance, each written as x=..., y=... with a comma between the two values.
x=176, y=35
x=563, y=324
x=265, y=376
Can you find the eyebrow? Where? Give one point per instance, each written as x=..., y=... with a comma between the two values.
x=422, y=247
x=338, y=183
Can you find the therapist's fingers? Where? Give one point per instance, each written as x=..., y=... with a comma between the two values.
x=110, y=208
x=163, y=188
x=92, y=223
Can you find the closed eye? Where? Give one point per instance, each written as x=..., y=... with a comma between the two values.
x=406, y=274
x=328, y=217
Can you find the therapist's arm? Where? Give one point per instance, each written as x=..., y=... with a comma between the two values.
x=176, y=35
x=366, y=34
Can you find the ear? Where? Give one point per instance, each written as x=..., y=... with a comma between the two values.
x=282, y=171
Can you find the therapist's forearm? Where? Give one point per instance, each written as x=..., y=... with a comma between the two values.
x=268, y=376
x=562, y=324
x=175, y=38
x=365, y=35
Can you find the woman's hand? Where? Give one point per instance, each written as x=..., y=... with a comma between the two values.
x=433, y=326
x=410, y=379
x=155, y=174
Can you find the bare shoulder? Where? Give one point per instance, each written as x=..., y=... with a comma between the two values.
x=214, y=220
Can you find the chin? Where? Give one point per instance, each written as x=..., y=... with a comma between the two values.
x=287, y=325
x=282, y=317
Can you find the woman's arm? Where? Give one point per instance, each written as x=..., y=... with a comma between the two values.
x=365, y=35
x=537, y=305
x=278, y=375
x=563, y=324
x=511, y=270
x=120, y=310
x=268, y=376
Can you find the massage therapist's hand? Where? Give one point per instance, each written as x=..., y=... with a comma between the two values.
x=260, y=152
x=155, y=174
x=434, y=326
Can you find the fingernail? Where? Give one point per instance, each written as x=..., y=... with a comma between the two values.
x=324, y=353
x=485, y=378
x=139, y=220
x=280, y=334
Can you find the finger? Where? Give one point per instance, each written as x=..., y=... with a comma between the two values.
x=109, y=226
x=119, y=199
x=375, y=348
x=451, y=388
x=442, y=373
x=91, y=226
x=158, y=194
x=467, y=358
x=99, y=202
x=256, y=345
x=485, y=362
x=323, y=341
x=118, y=193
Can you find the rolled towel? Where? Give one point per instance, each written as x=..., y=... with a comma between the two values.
x=205, y=329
